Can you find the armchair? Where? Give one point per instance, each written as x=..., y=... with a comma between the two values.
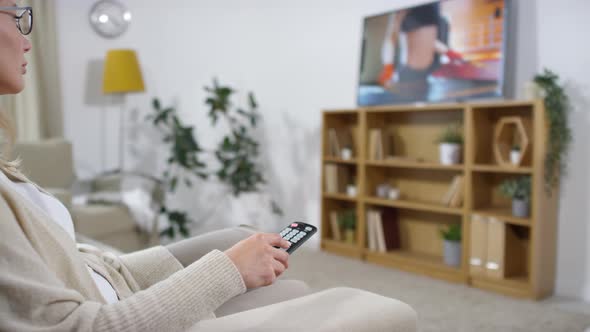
x=49, y=163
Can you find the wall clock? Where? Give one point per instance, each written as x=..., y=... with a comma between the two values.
x=109, y=18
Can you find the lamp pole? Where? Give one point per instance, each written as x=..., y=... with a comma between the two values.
x=122, y=138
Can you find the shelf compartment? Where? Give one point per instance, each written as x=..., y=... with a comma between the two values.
x=485, y=119
x=411, y=135
x=504, y=252
x=415, y=165
x=422, y=186
x=418, y=232
x=502, y=169
x=336, y=206
x=343, y=128
x=403, y=204
x=487, y=199
x=336, y=178
x=430, y=265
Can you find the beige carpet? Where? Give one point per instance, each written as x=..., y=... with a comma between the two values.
x=441, y=306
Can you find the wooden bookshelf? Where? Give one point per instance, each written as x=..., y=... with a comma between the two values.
x=411, y=164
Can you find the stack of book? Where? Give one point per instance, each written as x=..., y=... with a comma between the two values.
x=454, y=196
x=383, y=230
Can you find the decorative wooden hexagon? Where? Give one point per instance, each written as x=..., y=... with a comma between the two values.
x=504, y=133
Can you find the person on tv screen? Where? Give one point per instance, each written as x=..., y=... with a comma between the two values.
x=425, y=31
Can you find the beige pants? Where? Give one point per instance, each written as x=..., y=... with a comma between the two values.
x=189, y=250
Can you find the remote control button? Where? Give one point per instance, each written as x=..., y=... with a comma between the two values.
x=294, y=225
x=303, y=233
x=308, y=228
x=295, y=240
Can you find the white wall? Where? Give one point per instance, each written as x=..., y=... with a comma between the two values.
x=561, y=26
x=298, y=58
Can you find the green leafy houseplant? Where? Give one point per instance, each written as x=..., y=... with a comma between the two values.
x=236, y=153
x=452, y=135
x=452, y=233
x=519, y=188
x=557, y=107
x=347, y=220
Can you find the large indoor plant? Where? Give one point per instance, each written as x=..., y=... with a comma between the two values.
x=519, y=190
x=450, y=142
x=557, y=107
x=236, y=153
x=452, y=244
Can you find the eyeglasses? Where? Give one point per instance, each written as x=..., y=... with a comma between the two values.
x=24, y=21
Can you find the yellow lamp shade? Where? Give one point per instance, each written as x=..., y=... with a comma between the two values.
x=122, y=72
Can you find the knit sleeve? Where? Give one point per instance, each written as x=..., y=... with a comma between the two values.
x=33, y=298
x=151, y=265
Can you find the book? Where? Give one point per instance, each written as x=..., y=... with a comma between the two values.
x=457, y=199
x=331, y=178
x=391, y=229
x=371, y=230
x=376, y=145
x=333, y=145
x=354, y=134
x=379, y=234
x=448, y=196
x=495, y=248
x=479, y=245
x=335, y=227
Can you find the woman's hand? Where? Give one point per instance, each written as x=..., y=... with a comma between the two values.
x=258, y=261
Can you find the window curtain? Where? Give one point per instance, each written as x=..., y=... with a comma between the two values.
x=36, y=111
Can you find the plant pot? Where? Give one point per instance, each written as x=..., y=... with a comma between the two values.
x=393, y=193
x=452, y=253
x=515, y=157
x=349, y=236
x=383, y=190
x=346, y=154
x=520, y=208
x=351, y=190
x=450, y=153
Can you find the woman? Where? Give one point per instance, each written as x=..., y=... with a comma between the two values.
x=48, y=283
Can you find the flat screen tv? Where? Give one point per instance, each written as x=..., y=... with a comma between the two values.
x=448, y=50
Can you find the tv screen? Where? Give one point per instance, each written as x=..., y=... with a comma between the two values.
x=448, y=50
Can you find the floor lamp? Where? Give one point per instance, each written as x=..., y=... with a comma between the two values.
x=122, y=75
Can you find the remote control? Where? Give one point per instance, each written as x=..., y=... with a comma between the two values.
x=296, y=234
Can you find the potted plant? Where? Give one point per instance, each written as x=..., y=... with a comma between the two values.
x=450, y=142
x=520, y=191
x=348, y=224
x=515, y=154
x=452, y=244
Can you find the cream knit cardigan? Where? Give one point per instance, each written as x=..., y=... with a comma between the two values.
x=45, y=286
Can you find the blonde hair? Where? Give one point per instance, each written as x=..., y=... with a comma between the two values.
x=8, y=133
